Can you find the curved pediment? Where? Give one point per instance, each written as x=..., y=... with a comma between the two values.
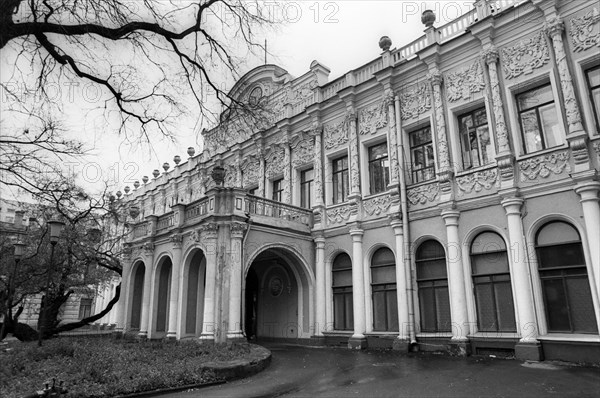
x=260, y=82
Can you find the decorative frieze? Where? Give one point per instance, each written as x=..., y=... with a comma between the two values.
x=251, y=169
x=209, y=230
x=378, y=205
x=335, y=134
x=303, y=152
x=490, y=56
x=525, y=56
x=478, y=181
x=223, y=137
x=423, y=194
x=372, y=118
x=585, y=31
x=339, y=215
x=464, y=83
x=415, y=102
x=544, y=166
x=148, y=248
x=440, y=121
x=275, y=162
x=176, y=240
x=237, y=229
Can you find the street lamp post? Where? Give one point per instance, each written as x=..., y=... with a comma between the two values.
x=55, y=227
x=18, y=253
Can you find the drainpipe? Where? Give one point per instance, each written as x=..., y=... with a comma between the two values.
x=405, y=228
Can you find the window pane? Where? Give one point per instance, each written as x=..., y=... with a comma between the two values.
x=427, y=309
x=487, y=242
x=349, y=314
x=379, y=311
x=531, y=131
x=491, y=263
x=486, y=317
x=556, y=305
x=342, y=278
x=485, y=146
x=594, y=76
x=378, y=151
x=342, y=261
x=430, y=249
x=549, y=117
x=570, y=254
x=536, y=97
x=443, y=309
x=338, y=312
x=580, y=303
x=596, y=103
x=307, y=175
x=432, y=269
x=392, y=311
x=505, y=307
x=480, y=117
x=557, y=232
x=383, y=274
x=383, y=256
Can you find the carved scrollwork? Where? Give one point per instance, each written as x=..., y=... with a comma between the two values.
x=237, y=229
x=415, y=102
x=526, y=56
x=251, y=170
x=176, y=240
x=478, y=181
x=378, y=205
x=464, y=83
x=209, y=230
x=597, y=149
x=423, y=194
x=275, y=162
x=544, y=166
x=372, y=118
x=585, y=31
x=303, y=152
x=338, y=215
x=148, y=248
x=335, y=134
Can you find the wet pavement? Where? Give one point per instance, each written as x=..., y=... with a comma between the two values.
x=336, y=372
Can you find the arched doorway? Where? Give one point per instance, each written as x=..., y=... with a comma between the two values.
x=277, y=296
x=193, y=304
x=137, y=294
x=163, y=290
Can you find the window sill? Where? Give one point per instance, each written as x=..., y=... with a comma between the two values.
x=494, y=335
x=579, y=337
x=374, y=195
x=338, y=333
x=488, y=166
x=422, y=183
x=442, y=335
x=543, y=152
x=375, y=333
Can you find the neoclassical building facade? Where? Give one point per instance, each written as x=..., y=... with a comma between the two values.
x=444, y=196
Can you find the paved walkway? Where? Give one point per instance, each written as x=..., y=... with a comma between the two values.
x=333, y=372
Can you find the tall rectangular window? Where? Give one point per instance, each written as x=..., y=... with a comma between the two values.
x=421, y=152
x=85, y=308
x=539, y=119
x=306, y=188
x=340, y=180
x=475, y=139
x=379, y=170
x=593, y=80
x=278, y=189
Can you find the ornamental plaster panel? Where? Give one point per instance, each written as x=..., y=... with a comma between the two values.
x=335, y=134
x=303, y=152
x=251, y=168
x=423, y=194
x=339, y=215
x=415, y=101
x=478, y=181
x=585, y=31
x=525, y=56
x=372, y=118
x=464, y=83
x=544, y=166
x=378, y=205
x=275, y=162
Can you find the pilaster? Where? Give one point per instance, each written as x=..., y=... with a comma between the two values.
x=237, y=231
x=590, y=203
x=209, y=232
x=146, y=319
x=176, y=281
x=321, y=297
x=443, y=153
x=402, y=342
x=358, y=339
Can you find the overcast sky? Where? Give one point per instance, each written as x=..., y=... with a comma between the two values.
x=342, y=35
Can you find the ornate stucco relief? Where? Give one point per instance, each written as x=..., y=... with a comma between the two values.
x=423, y=194
x=464, y=83
x=378, y=205
x=415, y=101
x=221, y=138
x=525, y=56
x=478, y=181
x=251, y=169
x=335, y=134
x=303, y=152
x=372, y=118
x=339, y=215
x=544, y=166
x=585, y=31
x=275, y=162
x=597, y=149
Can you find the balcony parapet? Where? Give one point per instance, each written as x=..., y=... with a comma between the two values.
x=257, y=206
x=166, y=221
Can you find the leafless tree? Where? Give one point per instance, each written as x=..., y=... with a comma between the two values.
x=149, y=56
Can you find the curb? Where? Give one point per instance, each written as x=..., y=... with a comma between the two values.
x=259, y=359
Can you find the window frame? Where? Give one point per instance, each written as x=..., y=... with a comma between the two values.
x=536, y=108
x=345, y=179
x=432, y=167
x=342, y=291
x=590, y=89
x=277, y=189
x=388, y=288
x=471, y=113
x=306, y=184
x=378, y=164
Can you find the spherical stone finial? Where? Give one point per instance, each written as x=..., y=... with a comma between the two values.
x=127, y=189
x=166, y=166
x=191, y=151
x=156, y=173
x=145, y=179
x=428, y=18
x=385, y=43
x=177, y=159
x=119, y=194
x=136, y=184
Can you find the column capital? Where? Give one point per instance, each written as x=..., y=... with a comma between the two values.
x=388, y=97
x=435, y=77
x=237, y=229
x=357, y=234
x=396, y=224
x=588, y=191
x=450, y=217
x=554, y=27
x=176, y=240
x=490, y=55
x=209, y=230
x=512, y=205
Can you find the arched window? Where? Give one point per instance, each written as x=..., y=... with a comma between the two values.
x=491, y=282
x=432, y=281
x=565, y=284
x=343, y=318
x=383, y=286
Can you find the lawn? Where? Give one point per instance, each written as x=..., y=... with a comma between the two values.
x=105, y=367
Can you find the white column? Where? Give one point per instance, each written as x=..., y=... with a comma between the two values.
x=358, y=288
x=147, y=294
x=401, y=291
x=588, y=192
x=456, y=279
x=208, y=323
x=175, y=282
x=124, y=298
x=527, y=324
x=320, y=280
x=235, y=282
